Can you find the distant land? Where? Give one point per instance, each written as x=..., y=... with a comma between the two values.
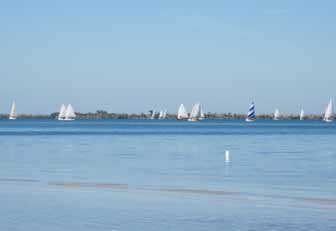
x=102, y=115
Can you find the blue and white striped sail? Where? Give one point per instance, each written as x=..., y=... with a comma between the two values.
x=251, y=113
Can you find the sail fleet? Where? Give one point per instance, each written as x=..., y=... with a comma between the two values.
x=182, y=113
x=163, y=114
x=195, y=113
x=67, y=113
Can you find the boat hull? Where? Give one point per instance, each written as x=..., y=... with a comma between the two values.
x=193, y=120
x=328, y=120
x=249, y=120
x=182, y=118
x=68, y=119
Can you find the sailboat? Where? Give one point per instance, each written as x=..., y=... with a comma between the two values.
x=61, y=114
x=182, y=113
x=328, y=115
x=161, y=115
x=69, y=113
x=251, y=113
x=195, y=113
x=202, y=116
x=276, y=114
x=164, y=115
x=302, y=114
x=153, y=114
x=13, y=114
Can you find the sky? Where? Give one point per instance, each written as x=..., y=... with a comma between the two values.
x=131, y=56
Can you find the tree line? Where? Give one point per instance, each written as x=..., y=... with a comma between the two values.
x=104, y=115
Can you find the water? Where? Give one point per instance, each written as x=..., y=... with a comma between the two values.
x=167, y=175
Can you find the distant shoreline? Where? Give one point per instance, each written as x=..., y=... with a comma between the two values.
x=103, y=115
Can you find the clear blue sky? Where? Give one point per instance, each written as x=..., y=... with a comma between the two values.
x=130, y=56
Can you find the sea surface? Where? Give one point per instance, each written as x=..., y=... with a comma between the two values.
x=167, y=175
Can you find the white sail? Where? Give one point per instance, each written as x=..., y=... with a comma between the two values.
x=276, y=114
x=161, y=115
x=195, y=112
x=328, y=115
x=12, y=114
x=62, y=111
x=302, y=114
x=202, y=116
x=182, y=113
x=153, y=114
x=70, y=113
x=164, y=114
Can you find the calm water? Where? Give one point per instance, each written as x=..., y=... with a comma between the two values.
x=167, y=175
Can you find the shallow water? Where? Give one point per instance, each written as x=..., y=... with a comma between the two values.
x=167, y=175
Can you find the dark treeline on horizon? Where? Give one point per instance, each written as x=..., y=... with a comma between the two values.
x=104, y=115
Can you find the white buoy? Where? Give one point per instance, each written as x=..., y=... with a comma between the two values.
x=227, y=156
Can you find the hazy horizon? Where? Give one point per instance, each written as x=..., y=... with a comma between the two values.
x=133, y=56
